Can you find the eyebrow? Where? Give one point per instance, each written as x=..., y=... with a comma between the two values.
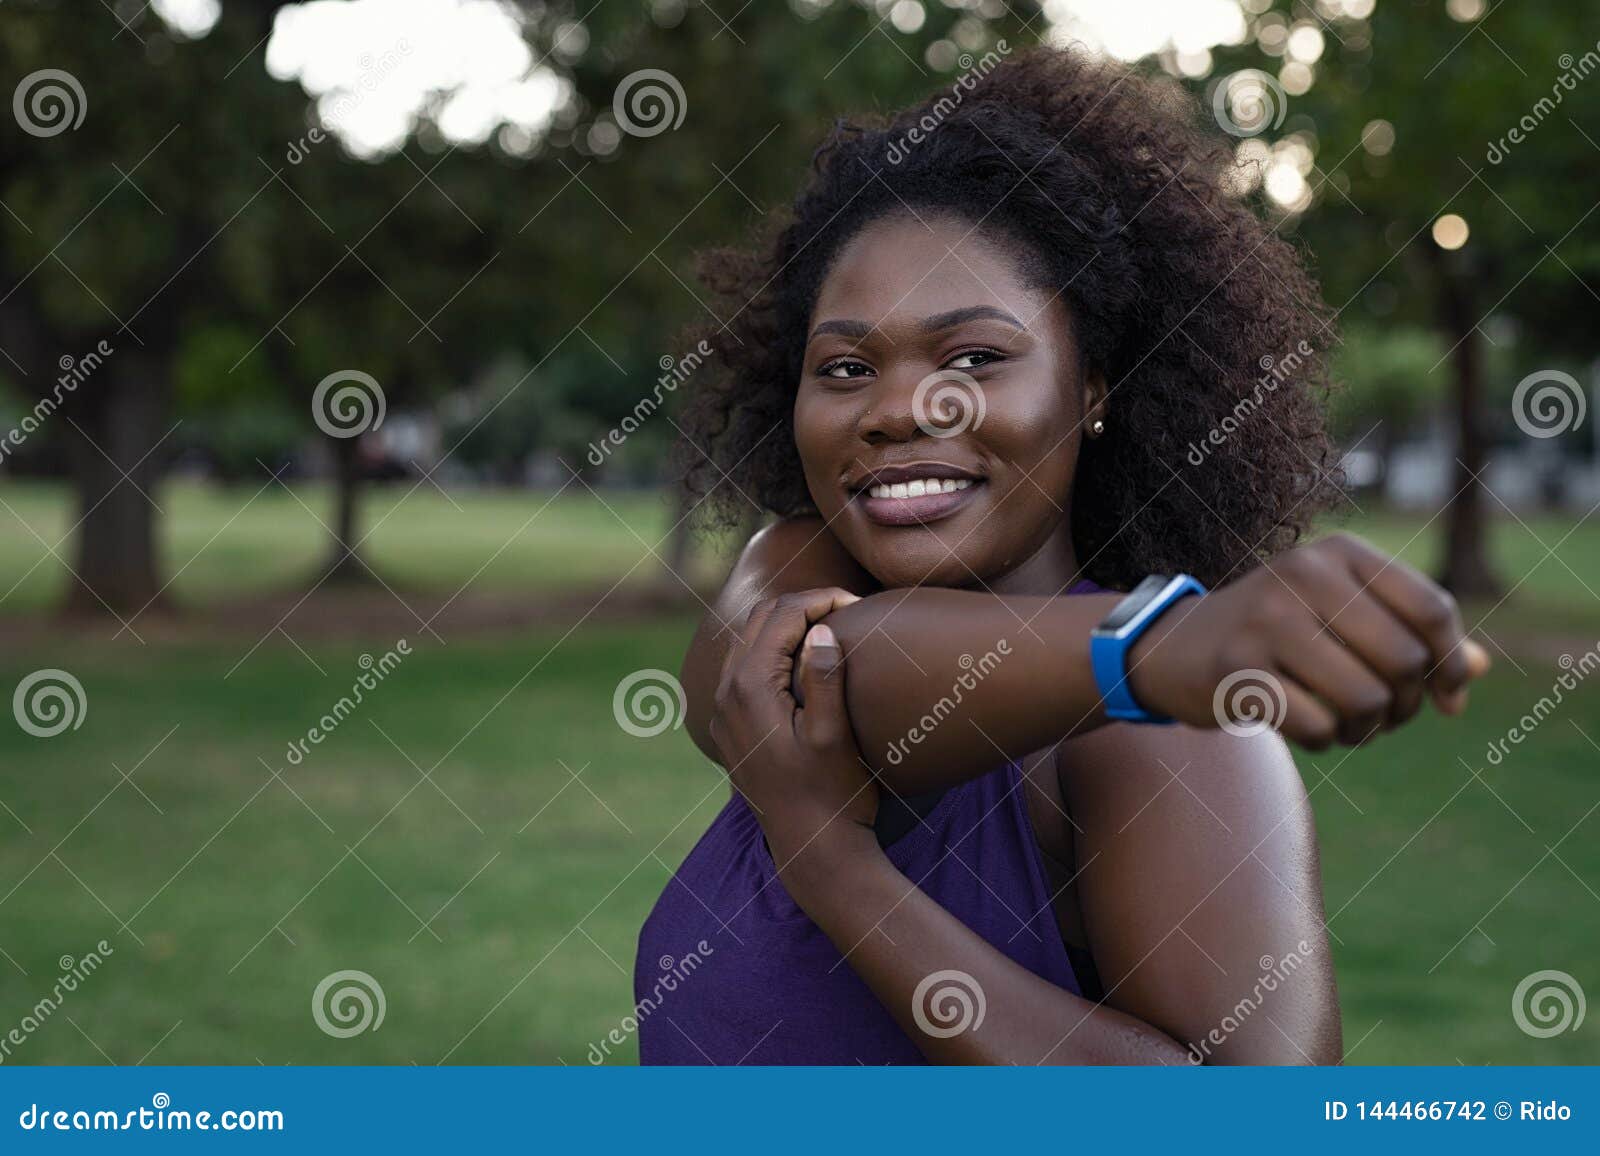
x=933, y=324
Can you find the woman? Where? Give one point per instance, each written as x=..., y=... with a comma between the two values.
x=983, y=385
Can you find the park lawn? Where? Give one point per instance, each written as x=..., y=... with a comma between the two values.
x=224, y=544
x=228, y=894
x=1439, y=885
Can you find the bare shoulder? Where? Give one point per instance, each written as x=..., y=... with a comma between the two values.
x=792, y=550
x=1198, y=871
x=791, y=554
x=1250, y=781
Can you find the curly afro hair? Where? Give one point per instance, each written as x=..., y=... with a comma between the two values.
x=1111, y=189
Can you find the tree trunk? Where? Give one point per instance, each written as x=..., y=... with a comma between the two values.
x=118, y=423
x=1465, y=571
x=680, y=542
x=344, y=564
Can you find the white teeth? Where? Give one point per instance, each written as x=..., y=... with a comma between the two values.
x=919, y=488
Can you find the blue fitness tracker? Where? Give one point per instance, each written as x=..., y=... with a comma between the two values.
x=1110, y=642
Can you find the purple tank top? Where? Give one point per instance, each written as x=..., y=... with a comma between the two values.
x=731, y=971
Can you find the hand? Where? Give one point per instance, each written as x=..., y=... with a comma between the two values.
x=798, y=767
x=1329, y=642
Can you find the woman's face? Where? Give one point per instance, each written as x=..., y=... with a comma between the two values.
x=939, y=410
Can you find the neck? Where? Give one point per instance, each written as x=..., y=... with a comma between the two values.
x=1047, y=572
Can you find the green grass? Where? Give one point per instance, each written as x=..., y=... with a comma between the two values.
x=224, y=544
x=242, y=891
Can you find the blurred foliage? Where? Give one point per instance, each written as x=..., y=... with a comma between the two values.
x=1384, y=376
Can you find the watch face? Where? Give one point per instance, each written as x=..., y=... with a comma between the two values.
x=1136, y=601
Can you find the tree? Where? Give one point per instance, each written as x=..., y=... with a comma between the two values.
x=1415, y=118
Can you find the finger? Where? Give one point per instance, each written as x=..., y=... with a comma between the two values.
x=1427, y=611
x=1375, y=635
x=791, y=616
x=743, y=638
x=1359, y=699
x=1305, y=720
x=824, y=723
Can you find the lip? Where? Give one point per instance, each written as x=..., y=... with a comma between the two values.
x=914, y=511
x=907, y=472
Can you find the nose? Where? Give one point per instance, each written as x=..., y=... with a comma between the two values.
x=890, y=415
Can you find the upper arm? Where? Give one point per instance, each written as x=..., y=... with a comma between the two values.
x=789, y=555
x=1201, y=891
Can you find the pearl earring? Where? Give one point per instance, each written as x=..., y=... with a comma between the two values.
x=1097, y=428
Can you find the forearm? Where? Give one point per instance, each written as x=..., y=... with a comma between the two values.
x=945, y=684
x=895, y=936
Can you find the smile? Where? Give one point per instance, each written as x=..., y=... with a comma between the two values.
x=915, y=494
x=918, y=488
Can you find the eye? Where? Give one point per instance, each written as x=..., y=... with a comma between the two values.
x=974, y=359
x=843, y=368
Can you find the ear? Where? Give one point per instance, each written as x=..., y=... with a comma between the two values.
x=1094, y=399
